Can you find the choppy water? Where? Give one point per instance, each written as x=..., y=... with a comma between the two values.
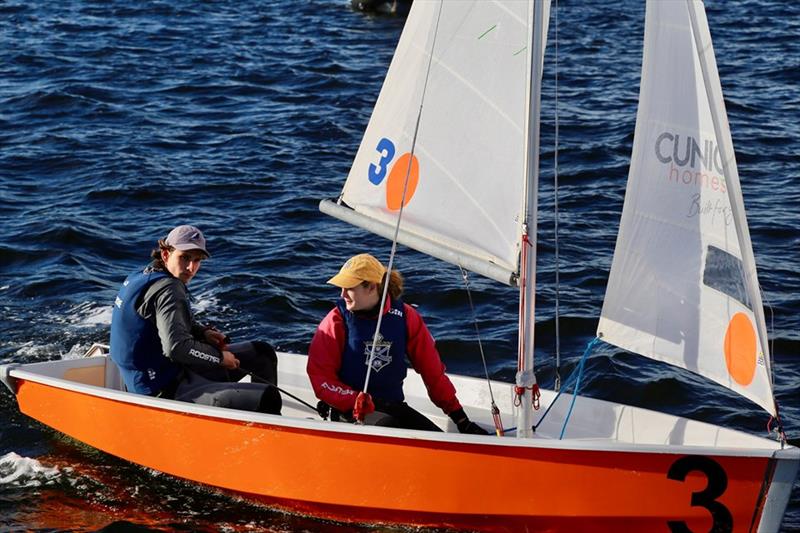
x=119, y=120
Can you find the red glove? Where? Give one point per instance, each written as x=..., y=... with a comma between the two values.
x=363, y=406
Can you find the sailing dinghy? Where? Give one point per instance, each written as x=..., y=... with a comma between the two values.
x=451, y=151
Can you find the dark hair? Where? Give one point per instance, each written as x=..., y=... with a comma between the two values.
x=156, y=253
x=395, y=284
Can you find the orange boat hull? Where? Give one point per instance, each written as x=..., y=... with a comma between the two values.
x=345, y=476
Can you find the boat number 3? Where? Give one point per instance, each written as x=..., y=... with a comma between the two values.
x=717, y=483
x=378, y=171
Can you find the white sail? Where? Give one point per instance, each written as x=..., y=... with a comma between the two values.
x=683, y=286
x=462, y=69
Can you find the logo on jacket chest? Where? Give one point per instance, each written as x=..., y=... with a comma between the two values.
x=382, y=356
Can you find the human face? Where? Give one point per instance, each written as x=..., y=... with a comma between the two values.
x=183, y=264
x=361, y=297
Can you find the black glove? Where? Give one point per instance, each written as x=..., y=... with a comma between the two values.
x=465, y=425
x=323, y=409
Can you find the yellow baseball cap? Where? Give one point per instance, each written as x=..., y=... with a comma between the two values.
x=361, y=267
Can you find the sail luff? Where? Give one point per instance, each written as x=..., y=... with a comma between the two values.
x=708, y=65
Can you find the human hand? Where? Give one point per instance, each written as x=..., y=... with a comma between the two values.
x=229, y=360
x=465, y=425
x=471, y=428
x=214, y=337
x=364, y=406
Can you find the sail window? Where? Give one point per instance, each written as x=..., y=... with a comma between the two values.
x=724, y=272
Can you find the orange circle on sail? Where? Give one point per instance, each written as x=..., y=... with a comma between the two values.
x=740, y=349
x=396, y=181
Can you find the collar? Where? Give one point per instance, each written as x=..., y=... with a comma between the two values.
x=373, y=311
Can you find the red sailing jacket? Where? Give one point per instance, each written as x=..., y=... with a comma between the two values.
x=325, y=359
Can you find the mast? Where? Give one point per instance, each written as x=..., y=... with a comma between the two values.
x=526, y=379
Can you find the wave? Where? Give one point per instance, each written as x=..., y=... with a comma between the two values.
x=21, y=472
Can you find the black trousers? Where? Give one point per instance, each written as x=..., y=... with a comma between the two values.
x=255, y=357
x=391, y=414
x=219, y=386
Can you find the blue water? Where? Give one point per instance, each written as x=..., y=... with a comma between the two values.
x=120, y=120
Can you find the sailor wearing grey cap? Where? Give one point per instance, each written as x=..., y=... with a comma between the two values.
x=187, y=238
x=182, y=251
x=162, y=351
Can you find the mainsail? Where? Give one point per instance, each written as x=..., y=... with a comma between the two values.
x=683, y=286
x=459, y=85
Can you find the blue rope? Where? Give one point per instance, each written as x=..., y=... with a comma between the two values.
x=574, y=376
x=568, y=382
x=579, y=373
x=564, y=386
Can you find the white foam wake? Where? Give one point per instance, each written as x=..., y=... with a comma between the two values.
x=88, y=315
x=19, y=471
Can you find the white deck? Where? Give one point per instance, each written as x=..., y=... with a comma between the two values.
x=594, y=424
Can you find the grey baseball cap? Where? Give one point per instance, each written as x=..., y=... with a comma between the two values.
x=187, y=238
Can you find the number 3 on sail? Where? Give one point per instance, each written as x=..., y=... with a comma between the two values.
x=403, y=176
x=377, y=171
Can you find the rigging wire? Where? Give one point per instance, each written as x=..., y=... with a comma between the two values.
x=402, y=205
x=557, y=383
x=498, y=423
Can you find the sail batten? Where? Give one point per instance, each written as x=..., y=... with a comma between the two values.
x=683, y=287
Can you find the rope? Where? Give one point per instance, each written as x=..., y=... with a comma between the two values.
x=573, y=377
x=498, y=423
x=522, y=281
x=527, y=376
x=259, y=379
x=400, y=213
x=586, y=352
x=566, y=385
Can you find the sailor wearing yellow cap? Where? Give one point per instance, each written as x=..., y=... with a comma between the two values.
x=341, y=348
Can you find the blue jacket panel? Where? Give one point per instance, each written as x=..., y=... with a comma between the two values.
x=135, y=345
x=389, y=364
